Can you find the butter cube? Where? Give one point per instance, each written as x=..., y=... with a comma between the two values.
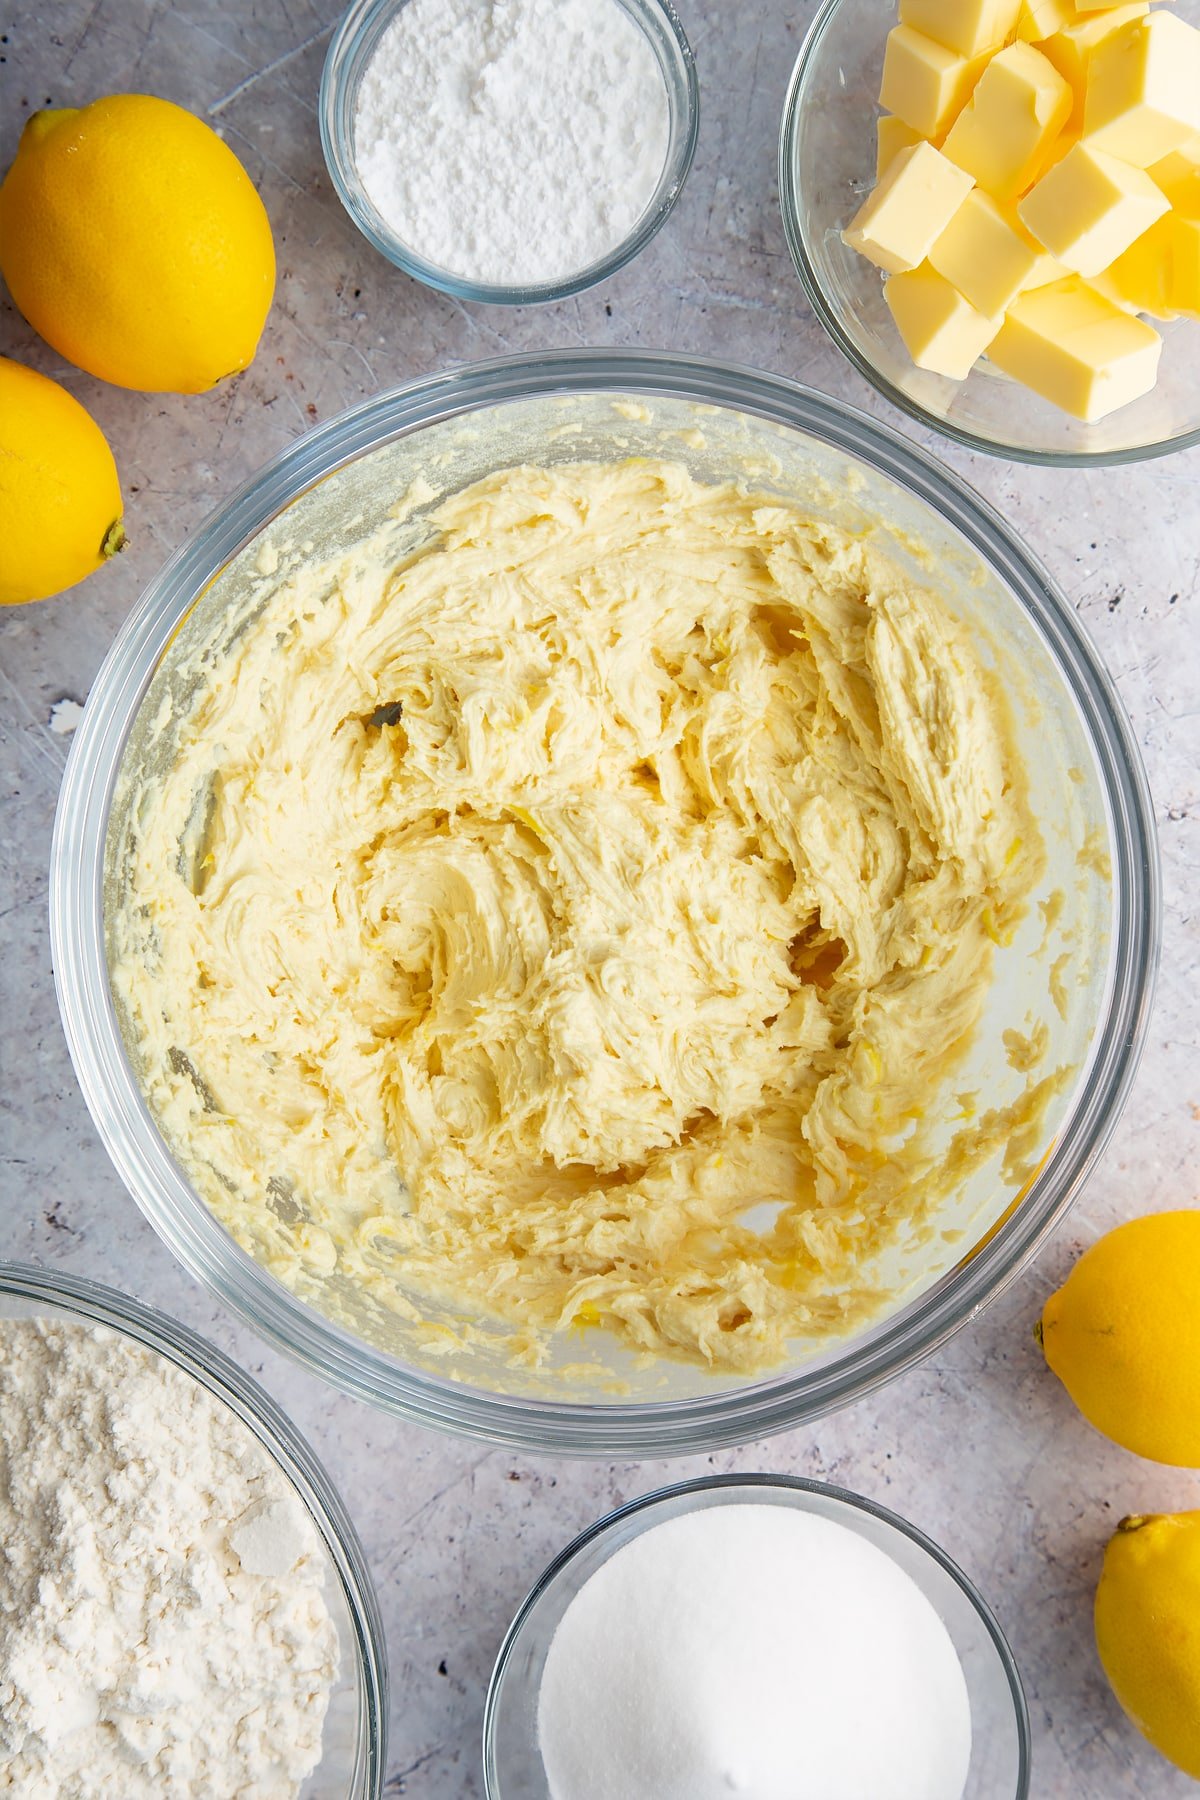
x=1004, y=133
x=942, y=332
x=1160, y=273
x=1072, y=47
x=1075, y=348
x=967, y=26
x=892, y=136
x=911, y=206
x=1143, y=91
x=1090, y=207
x=1138, y=280
x=1179, y=178
x=1095, y=6
x=1042, y=18
x=925, y=84
x=1046, y=268
x=1111, y=290
x=984, y=256
x=1183, y=249
x=1191, y=150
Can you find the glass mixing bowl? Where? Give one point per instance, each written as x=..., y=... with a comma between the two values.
x=826, y=169
x=1000, y=1744
x=353, y=1760
x=351, y=49
x=1087, y=788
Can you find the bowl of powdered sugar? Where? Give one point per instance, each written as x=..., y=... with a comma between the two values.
x=757, y=1635
x=184, y=1607
x=509, y=150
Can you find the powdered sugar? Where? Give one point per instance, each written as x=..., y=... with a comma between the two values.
x=512, y=141
x=151, y=1642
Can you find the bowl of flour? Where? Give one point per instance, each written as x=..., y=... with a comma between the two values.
x=184, y=1605
x=510, y=151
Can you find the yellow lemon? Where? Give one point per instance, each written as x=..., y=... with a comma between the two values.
x=134, y=241
x=1123, y=1336
x=1148, y=1630
x=60, y=500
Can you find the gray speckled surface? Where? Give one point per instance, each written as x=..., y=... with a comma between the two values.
x=980, y=1445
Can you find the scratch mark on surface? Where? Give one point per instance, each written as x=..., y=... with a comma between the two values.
x=41, y=740
x=490, y=333
x=344, y=344
x=397, y=1551
x=268, y=162
x=243, y=87
x=82, y=39
x=396, y=1782
x=218, y=43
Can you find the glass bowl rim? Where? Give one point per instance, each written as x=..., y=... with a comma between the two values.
x=698, y=1423
x=752, y=1483
x=281, y=1440
x=363, y=23
x=815, y=291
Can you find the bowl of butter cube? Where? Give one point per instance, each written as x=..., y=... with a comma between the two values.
x=994, y=209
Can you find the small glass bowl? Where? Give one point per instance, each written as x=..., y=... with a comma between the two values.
x=353, y=1758
x=826, y=169
x=1000, y=1747
x=351, y=49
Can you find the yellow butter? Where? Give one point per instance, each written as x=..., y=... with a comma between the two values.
x=942, y=332
x=1160, y=273
x=1072, y=47
x=925, y=84
x=892, y=136
x=1143, y=90
x=1117, y=292
x=911, y=206
x=1191, y=150
x=1138, y=280
x=1179, y=178
x=1046, y=268
x=984, y=255
x=1183, y=283
x=1041, y=18
x=967, y=26
x=1090, y=207
x=1077, y=349
x=1019, y=107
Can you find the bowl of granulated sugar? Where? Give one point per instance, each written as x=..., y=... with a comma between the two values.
x=510, y=151
x=760, y=1636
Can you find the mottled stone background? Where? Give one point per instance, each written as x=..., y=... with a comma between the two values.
x=980, y=1446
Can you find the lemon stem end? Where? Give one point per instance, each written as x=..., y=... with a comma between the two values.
x=39, y=124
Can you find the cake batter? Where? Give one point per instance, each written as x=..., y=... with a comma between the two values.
x=574, y=922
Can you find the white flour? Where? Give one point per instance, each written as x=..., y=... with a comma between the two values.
x=753, y=1651
x=163, y=1634
x=512, y=141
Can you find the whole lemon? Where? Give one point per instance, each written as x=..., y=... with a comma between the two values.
x=60, y=500
x=1123, y=1336
x=1148, y=1630
x=134, y=241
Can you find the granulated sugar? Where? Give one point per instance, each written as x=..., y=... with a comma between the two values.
x=512, y=142
x=755, y=1651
